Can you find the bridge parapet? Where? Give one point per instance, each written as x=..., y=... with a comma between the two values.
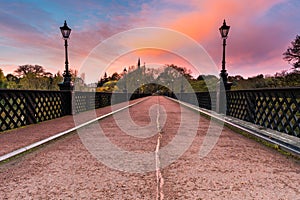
x=277, y=109
x=23, y=107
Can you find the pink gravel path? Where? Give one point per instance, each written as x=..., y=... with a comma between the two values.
x=237, y=167
x=23, y=136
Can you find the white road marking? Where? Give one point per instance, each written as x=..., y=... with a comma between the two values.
x=159, y=178
x=58, y=135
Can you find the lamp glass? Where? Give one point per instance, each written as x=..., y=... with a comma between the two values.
x=224, y=30
x=65, y=31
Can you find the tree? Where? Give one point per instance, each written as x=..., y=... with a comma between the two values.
x=12, y=81
x=24, y=70
x=34, y=77
x=114, y=77
x=2, y=79
x=108, y=86
x=292, y=54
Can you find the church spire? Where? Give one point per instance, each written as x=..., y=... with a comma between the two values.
x=139, y=63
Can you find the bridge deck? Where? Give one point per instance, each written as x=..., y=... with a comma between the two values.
x=146, y=160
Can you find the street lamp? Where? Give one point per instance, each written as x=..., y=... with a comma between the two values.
x=224, y=29
x=125, y=80
x=67, y=83
x=182, y=76
x=138, y=85
x=172, y=93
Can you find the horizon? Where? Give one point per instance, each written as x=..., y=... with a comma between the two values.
x=153, y=66
x=30, y=32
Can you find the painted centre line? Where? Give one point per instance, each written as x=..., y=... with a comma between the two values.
x=159, y=178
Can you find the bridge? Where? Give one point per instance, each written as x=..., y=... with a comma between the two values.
x=149, y=147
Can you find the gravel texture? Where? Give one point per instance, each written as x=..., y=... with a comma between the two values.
x=236, y=168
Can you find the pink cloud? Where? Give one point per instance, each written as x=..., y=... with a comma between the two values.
x=250, y=47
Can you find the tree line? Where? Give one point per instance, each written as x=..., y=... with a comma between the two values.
x=169, y=78
x=172, y=73
x=33, y=77
x=165, y=79
x=147, y=80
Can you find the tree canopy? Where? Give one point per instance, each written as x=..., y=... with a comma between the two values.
x=292, y=54
x=146, y=80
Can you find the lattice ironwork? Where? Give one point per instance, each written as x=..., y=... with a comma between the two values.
x=23, y=107
x=241, y=105
x=205, y=100
x=89, y=100
x=84, y=101
x=12, y=111
x=104, y=99
x=277, y=109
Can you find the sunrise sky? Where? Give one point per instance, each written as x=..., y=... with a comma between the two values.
x=261, y=30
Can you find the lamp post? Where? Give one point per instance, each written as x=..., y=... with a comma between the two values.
x=138, y=85
x=172, y=92
x=223, y=85
x=181, y=87
x=125, y=80
x=182, y=76
x=224, y=29
x=67, y=83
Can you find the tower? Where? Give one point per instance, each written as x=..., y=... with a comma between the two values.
x=139, y=63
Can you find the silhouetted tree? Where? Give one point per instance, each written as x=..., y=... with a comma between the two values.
x=10, y=77
x=292, y=54
x=204, y=82
x=114, y=77
x=2, y=79
x=24, y=70
x=12, y=81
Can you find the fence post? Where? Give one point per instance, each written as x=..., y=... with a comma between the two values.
x=221, y=103
x=68, y=103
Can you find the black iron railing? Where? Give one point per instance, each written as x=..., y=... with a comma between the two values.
x=205, y=100
x=84, y=101
x=23, y=107
x=277, y=109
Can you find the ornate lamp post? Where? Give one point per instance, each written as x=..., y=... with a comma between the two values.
x=125, y=80
x=182, y=76
x=172, y=92
x=138, y=85
x=224, y=29
x=67, y=83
